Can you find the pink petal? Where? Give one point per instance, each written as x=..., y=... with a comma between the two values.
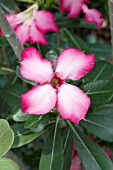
x=92, y=15
x=74, y=64
x=39, y=100
x=11, y=19
x=22, y=32
x=34, y=67
x=36, y=35
x=72, y=6
x=107, y=153
x=45, y=21
x=73, y=103
x=76, y=163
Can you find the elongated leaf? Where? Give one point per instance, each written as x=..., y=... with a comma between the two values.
x=101, y=124
x=74, y=41
x=101, y=71
x=67, y=151
x=102, y=51
x=6, y=70
x=92, y=157
x=6, y=137
x=51, y=158
x=12, y=94
x=23, y=136
x=8, y=164
x=100, y=92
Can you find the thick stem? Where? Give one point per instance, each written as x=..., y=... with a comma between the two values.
x=10, y=35
x=110, y=3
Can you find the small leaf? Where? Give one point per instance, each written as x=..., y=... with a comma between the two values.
x=25, y=80
x=37, y=123
x=6, y=137
x=100, y=92
x=23, y=136
x=51, y=158
x=101, y=124
x=92, y=156
x=8, y=164
x=6, y=70
x=19, y=116
x=101, y=71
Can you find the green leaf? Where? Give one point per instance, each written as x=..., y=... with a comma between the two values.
x=52, y=55
x=100, y=92
x=6, y=137
x=102, y=71
x=19, y=116
x=64, y=22
x=8, y=164
x=101, y=124
x=25, y=80
x=12, y=94
x=23, y=136
x=74, y=41
x=102, y=51
x=37, y=122
x=51, y=158
x=67, y=151
x=92, y=157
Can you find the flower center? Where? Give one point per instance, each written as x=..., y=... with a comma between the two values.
x=56, y=82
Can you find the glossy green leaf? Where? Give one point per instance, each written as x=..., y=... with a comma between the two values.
x=102, y=71
x=19, y=116
x=25, y=80
x=8, y=164
x=101, y=124
x=100, y=92
x=37, y=122
x=67, y=151
x=12, y=95
x=23, y=136
x=92, y=156
x=6, y=137
x=51, y=158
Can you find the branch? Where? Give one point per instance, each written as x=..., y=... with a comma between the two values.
x=10, y=35
x=110, y=3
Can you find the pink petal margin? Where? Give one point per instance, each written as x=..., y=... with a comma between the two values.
x=45, y=21
x=39, y=100
x=92, y=15
x=34, y=67
x=74, y=64
x=72, y=6
x=73, y=103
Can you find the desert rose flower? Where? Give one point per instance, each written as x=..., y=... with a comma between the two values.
x=52, y=90
x=74, y=7
x=31, y=25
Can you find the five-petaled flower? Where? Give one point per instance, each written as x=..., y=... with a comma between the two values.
x=52, y=90
x=74, y=8
x=31, y=25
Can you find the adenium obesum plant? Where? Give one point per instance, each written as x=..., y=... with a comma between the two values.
x=31, y=25
x=74, y=7
x=52, y=89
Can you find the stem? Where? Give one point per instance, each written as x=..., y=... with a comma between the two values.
x=110, y=3
x=10, y=35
